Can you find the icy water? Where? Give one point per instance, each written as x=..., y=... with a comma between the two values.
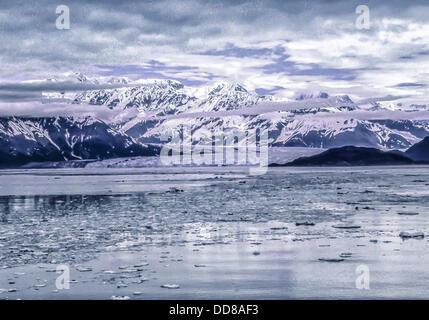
x=201, y=233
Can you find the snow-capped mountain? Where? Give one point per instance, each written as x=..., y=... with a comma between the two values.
x=145, y=110
x=317, y=133
x=226, y=97
x=161, y=98
x=64, y=138
x=78, y=77
x=167, y=97
x=378, y=106
x=306, y=96
x=327, y=103
x=327, y=133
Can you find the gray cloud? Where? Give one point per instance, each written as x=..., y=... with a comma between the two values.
x=374, y=115
x=57, y=86
x=380, y=99
x=32, y=91
x=410, y=84
x=101, y=30
x=52, y=109
x=273, y=45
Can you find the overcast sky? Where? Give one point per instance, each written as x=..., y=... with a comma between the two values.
x=276, y=47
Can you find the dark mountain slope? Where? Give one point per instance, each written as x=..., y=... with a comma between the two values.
x=353, y=156
x=24, y=140
x=419, y=151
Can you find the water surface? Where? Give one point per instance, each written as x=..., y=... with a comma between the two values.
x=215, y=232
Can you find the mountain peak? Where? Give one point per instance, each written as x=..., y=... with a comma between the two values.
x=227, y=87
x=306, y=96
x=80, y=77
x=344, y=99
x=419, y=151
x=171, y=83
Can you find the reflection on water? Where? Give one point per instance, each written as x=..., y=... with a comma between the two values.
x=45, y=206
x=5, y=209
x=290, y=213
x=215, y=213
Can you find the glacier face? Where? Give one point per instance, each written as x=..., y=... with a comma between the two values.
x=143, y=113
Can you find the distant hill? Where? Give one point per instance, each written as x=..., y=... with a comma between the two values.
x=353, y=156
x=419, y=151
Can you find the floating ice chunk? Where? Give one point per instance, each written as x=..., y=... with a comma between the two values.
x=130, y=270
x=120, y=297
x=137, y=293
x=346, y=226
x=408, y=213
x=170, y=286
x=304, y=223
x=409, y=235
x=124, y=267
x=83, y=269
x=346, y=255
x=141, y=265
x=331, y=259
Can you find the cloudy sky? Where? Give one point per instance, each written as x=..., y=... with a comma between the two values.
x=274, y=47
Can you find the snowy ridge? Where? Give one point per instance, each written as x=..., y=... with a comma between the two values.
x=160, y=107
x=145, y=110
x=56, y=139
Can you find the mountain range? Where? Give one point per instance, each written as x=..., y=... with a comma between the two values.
x=140, y=113
x=162, y=104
